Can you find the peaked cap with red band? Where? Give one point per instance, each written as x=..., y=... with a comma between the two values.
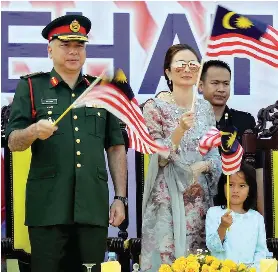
x=68, y=28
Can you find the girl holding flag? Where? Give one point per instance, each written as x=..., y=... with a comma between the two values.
x=237, y=233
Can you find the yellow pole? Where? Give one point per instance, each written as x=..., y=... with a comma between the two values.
x=228, y=192
x=62, y=115
x=197, y=84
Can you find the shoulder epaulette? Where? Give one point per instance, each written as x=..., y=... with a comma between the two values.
x=34, y=74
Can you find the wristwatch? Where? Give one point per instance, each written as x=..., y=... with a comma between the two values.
x=123, y=199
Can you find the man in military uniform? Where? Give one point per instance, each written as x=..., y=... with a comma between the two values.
x=215, y=86
x=67, y=193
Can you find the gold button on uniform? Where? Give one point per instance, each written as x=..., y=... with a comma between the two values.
x=78, y=165
x=73, y=94
x=75, y=117
x=98, y=113
x=49, y=112
x=78, y=153
x=76, y=128
x=78, y=141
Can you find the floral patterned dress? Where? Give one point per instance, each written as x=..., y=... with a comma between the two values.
x=158, y=241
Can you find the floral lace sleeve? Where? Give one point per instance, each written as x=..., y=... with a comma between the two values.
x=213, y=156
x=213, y=241
x=154, y=123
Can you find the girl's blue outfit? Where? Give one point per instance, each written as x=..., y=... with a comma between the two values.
x=245, y=241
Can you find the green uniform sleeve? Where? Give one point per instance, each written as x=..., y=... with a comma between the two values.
x=113, y=132
x=20, y=116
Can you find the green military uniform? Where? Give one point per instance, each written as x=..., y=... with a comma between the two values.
x=67, y=182
x=242, y=121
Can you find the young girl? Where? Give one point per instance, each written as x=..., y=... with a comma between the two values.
x=237, y=234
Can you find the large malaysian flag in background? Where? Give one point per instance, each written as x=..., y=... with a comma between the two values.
x=235, y=34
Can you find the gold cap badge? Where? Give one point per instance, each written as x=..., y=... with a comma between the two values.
x=74, y=26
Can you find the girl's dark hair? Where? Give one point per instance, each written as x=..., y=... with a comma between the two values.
x=250, y=178
x=171, y=52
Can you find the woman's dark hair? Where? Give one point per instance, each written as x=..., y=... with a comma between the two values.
x=171, y=52
x=250, y=178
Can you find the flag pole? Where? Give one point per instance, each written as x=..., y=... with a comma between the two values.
x=197, y=84
x=94, y=83
x=228, y=176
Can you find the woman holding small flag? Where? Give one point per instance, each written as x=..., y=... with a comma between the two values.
x=179, y=188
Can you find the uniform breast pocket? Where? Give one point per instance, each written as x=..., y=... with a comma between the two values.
x=96, y=121
x=52, y=115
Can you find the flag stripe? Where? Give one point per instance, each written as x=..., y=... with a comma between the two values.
x=274, y=34
x=242, y=53
x=232, y=158
x=273, y=30
x=269, y=37
x=234, y=37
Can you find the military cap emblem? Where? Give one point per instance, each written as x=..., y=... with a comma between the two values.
x=74, y=26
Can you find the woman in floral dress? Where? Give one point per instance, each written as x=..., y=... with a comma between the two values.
x=179, y=189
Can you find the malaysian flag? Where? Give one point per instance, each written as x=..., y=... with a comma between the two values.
x=231, y=150
x=118, y=98
x=235, y=34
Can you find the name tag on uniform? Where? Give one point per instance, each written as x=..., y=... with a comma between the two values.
x=49, y=101
x=89, y=105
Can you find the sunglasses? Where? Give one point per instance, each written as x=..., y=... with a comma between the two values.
x=180, y=66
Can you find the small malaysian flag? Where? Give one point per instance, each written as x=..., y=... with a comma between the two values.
x=235, y=34
x=231, y=150
x=118, y=98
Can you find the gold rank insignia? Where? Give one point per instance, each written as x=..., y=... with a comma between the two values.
x=74, y=26
x=54, y=81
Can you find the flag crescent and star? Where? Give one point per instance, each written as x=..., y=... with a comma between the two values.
x=241, y=22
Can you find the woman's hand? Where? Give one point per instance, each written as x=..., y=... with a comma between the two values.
x=198, y=168
x=186, y=121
